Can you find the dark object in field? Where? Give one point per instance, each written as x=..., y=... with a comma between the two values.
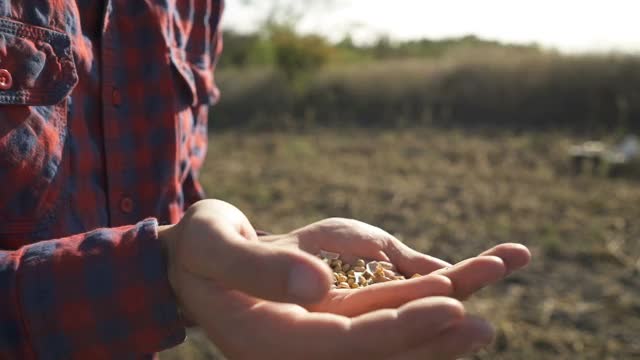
x=601, y=159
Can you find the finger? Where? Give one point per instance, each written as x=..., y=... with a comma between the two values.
x=409, y=261
x=268, y=272
x=383, y=333
x=473, y=274
x=377, y=334
x=467, y=337
x=387, y=295
x=514, y=256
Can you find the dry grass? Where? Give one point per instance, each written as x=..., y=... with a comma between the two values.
x=452, y=194
x=584, y=94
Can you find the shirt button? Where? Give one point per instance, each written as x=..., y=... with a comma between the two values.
x=126, y=205
x=6, y=80
x=116, y=98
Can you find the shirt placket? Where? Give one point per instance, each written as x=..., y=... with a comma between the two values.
x=121, y=203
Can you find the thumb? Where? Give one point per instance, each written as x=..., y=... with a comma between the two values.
x=269, y=271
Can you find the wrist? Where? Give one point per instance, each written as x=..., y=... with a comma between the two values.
x=164, y=238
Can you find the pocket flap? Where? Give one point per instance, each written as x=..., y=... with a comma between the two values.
x=198, y=79
x=36, y=64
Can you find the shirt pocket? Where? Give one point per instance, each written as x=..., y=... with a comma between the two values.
x=195, y=79
x=194, y=43
x=37, y=73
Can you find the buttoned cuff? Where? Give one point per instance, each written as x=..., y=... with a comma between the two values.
x=102, y=293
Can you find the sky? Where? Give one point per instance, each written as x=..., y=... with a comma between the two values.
x=565, y=25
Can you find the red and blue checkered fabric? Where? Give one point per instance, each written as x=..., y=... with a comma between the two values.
x=103, y=120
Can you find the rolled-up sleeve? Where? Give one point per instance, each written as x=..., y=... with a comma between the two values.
x=99, y=294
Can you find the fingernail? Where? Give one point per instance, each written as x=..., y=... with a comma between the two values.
x=304, y=283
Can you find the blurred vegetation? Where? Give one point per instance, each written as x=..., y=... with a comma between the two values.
x=278, y=40
x=270, y=79
x=280, y=47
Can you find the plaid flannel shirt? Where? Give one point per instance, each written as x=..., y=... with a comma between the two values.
x=103, y=120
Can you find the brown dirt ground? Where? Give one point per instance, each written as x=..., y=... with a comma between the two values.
x=453, y=193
